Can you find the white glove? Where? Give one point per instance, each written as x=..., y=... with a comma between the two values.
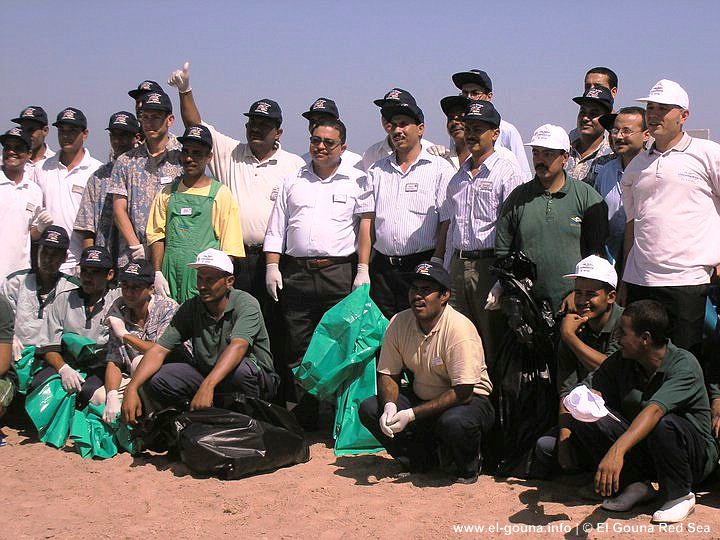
x=437, y=260
x=439, y=150
x=401, y=420
x=43, y=220
x=494, y=297
x=388, y=412
x=71, y=379
x=162, y=287
x=273, y=280
x=112, y=407
x=117, y=325
x=137, y=252
x=180, y=78
x=362, y=277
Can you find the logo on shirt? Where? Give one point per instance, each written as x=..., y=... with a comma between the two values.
x=319, y=104
x=68, y=114
x=689, y=176
x=262, y=107
x=576, y=219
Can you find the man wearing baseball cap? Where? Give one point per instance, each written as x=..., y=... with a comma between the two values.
x=62, y=179
x=325, y=109
x=592, y=144
x=553, y=219
x=447, y=409
x=145, y=87
x=230, y=346
x=94, y=221
x=34, y=120
x=192, y=214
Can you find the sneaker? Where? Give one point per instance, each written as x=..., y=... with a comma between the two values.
x=676, y=510
x=635, y=493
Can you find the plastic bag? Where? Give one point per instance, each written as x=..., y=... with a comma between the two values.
x=94, y=438
x=80, y=348
x=26, y=367
x=51, y=409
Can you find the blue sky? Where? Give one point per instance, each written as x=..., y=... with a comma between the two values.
x=88, y=54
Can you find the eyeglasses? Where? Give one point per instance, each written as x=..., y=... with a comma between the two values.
x=625, y=132
x=329, y=143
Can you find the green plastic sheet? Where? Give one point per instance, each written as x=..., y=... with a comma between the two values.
x=51, y=409
x=93, y=438
x=26, y=367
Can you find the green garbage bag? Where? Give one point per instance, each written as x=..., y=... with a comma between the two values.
x=51, y=410
x=81, y=348
x=345, y=339
x=93, y=438
x=26, y=367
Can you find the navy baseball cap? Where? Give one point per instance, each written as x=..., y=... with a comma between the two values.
x=322, y=105
x=395, y=97
x=453, y=103
x=33, y=112
x=156, y=101
x=483, y=111
x=595, y=95
x=16, y=133
x=409, y=109
x=607, y=120
x=96, y=257
x=476, y=76
x=145, y=87
x=55, y=236
x=432, y=271
x=138, y=272
x=71, y=117
x=124, y=121
x=265, y=108
x=199, y=134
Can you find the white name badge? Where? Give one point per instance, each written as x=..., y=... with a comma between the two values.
x=186, y=211
x=411, y=187
x=165, y=180
x=340, y=198
x=485, y=185
x=78, y=189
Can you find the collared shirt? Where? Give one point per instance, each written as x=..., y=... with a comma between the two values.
x=382, y=149
x=608, y=184
x=254, y=183
x=96, y=209
x=62, y=193
x=23, y=292
x=473, y=203
x=407, y=204
x=19, y=204
x=578, y=167
x=677, y=387
x=673, y=198
x=139, y=177
x=347, y=158
x=209, y=337
x=313, y=217
x=160, y=311
x=451, y=354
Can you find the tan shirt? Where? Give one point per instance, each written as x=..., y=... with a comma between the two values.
x=450, y=355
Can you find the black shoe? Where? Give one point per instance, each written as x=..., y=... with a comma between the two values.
x=466, y=479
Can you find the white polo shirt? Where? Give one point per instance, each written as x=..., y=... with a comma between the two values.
x=674, y=199
x=18, y=205
x=254, y=183
x=62, y=193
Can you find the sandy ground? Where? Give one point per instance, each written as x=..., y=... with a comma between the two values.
x=51, y=493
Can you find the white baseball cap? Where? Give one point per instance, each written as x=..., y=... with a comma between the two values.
x=597, y=268
x=550, y=136
x=668, y=92
x=584, y=405
x=214, y=258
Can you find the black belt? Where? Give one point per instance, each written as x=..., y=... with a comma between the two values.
x=463, y=254
x=317, y=263
x=254, y=249
x=406, y=260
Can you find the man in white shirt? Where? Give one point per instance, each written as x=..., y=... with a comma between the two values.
x=62, y=179
x=34, y=120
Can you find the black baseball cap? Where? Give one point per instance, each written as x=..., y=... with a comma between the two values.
x=32, y=112
x=409, y=109
x=55, y=236
x=607, y=120
x=483, y=111
x=16, y=133
x=597, y=94
x=477, y=76
x=96, y=257
x=451, y=103
x=395, y=97
x=72, y=117
x=265, y=108
x=199, y=134
x=432, y=271
x=322, y=105
x=145, y=87
x=138, y=272
x=124, y=121
x=156, y=101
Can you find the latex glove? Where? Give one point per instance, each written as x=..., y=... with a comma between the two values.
x=180, y=78
x=494, y=297
x=388, y=412
x=137, y=252
x=437, y=260
x=162, y=287
x=43, y=220
x=112, y=407
x=439, y=150
x=401, y=420
x=273, y=280
x=362, y=277
x=71, y=379
x=117, y=325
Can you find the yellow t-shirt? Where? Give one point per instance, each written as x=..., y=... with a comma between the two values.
x=450, y=355
x=225, y=217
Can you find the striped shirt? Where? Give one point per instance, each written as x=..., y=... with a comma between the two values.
x=473, y=203
x=406, y=205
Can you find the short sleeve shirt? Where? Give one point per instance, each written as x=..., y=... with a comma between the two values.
x=95, y=214
x=19, y=204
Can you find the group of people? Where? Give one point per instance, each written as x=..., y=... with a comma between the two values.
x=223, y=277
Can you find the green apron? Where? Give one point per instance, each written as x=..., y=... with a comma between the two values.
x=188, y=231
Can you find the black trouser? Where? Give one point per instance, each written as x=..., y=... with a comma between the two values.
x=389, y=283
x=457, y=432
x=94, y=379
x=673, y=453
x=686, y=308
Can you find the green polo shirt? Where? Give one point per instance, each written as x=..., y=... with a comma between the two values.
x=677, y=386
x=570, y=370
x=209, y=337
x=546, y=227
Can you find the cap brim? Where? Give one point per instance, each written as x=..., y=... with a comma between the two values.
x=607, y=120
x=394, y=110
x=135, y=93
x=661, y=100
x=581, y=99
x=467, y=77
x=379, y=102
x=195, y=266
x=449, y=103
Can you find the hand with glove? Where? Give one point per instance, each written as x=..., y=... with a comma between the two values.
x=162, y=287
x=71, y=380
x=494, y=297
x=137, y=252
x=362, y=277
x=180, y=79
x=112, y=407
x=273, y=280
x=401, y=419
x=388, y=412
x=117, y=326
x=43, y=220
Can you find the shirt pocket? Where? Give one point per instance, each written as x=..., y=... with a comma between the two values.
x=341, y=206
x=418, y=198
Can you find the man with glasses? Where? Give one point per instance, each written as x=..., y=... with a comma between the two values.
x=325, y=109
x=592, y=143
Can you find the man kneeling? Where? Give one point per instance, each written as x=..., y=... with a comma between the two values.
x=231, y=350
x=447, y=408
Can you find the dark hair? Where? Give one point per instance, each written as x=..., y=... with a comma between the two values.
x=334, y=123
x=635, y=110
x=649, y=316
x=609, y=73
